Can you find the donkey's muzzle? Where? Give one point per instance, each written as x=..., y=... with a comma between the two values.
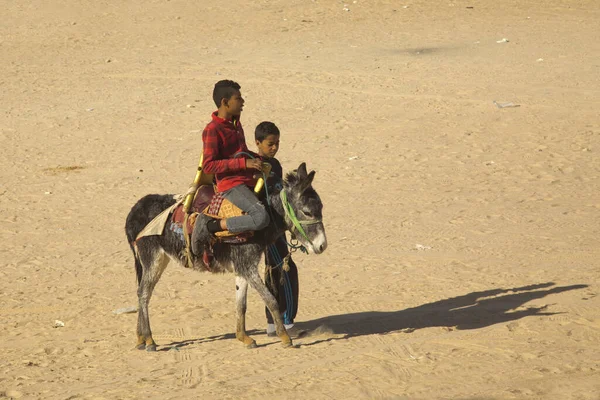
x=319, y=243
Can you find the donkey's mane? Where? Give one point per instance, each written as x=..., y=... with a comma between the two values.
x=291, y=178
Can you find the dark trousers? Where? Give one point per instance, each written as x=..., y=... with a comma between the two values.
x=282, y=284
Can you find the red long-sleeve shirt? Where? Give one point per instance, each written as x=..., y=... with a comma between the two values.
x=221, y=140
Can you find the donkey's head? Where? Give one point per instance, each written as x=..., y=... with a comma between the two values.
x=304, y=210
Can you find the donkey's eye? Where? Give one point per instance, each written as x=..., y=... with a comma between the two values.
x=307, y=213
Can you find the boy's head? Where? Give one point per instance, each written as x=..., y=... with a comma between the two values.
x=266, y=135
x=227, y=97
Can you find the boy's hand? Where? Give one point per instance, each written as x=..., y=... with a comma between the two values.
x=254, y=163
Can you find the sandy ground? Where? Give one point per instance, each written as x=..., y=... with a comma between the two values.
x=463, y=258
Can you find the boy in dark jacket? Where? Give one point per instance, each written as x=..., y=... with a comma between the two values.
x=281, y=283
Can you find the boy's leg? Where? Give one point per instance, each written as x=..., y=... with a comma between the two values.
x=289, y=284
x=292, y=281
x=256, y=217
x=282, y=284
x=272, y=279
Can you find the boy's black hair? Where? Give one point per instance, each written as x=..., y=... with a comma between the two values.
x=265, y=129
x=224, y=90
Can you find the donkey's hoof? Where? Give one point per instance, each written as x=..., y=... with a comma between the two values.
x=252, y=345
x=287, y=345
x=151, y=347
x=141, y=346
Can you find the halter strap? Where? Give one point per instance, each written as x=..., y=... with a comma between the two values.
x=289, y=212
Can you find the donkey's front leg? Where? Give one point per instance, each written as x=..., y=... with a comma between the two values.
x=241, y=291
x=257, y=283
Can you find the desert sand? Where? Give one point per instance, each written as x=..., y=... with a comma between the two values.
x=463, y=258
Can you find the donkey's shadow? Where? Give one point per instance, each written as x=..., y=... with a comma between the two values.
x=183, y=343
x=471, y=311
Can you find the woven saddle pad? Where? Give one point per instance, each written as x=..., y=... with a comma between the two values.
x=221, y=208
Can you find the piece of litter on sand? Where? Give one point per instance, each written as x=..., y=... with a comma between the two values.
x=503, y=40
x=12, y=394
x=506, y=105
x=540, y=60
x=422, y=247
x=353, y=158
x=126, y=310
x=58, y=324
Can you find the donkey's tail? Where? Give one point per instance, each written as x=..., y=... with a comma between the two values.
x=138, y=266
x=139, y=216
x=131, y=233
x=136, y=258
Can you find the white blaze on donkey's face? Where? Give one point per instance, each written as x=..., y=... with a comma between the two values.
x=319, y=243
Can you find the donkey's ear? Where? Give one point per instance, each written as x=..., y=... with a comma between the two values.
x=302, y=171
x=310, y=177
x=307, y=181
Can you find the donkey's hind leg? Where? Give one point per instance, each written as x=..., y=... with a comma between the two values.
x=254, y=280
x=241, y=292
x=153, y=266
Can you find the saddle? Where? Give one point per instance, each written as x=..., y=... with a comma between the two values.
x=206, y=200
x=213, y=204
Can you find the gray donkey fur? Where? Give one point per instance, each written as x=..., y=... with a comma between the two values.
x=153, y=253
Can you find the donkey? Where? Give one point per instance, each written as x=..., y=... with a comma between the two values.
x=296, y=207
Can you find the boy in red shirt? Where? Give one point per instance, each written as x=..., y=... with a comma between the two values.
x=223, y=144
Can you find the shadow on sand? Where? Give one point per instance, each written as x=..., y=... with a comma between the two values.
x=471, y=311
x=225, y=336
